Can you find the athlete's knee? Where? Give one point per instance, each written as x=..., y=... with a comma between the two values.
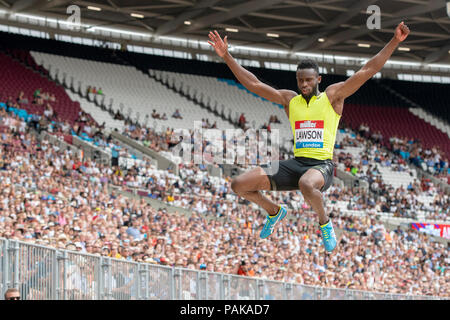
x=236, y=185
x=306, y=187
x=251, y=181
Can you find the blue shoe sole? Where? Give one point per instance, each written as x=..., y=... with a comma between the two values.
x=328, y=250
x=281, y=218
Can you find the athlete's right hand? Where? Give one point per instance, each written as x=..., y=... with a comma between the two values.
x=219, y=45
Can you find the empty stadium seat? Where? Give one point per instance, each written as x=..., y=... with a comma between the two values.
x=130, y=91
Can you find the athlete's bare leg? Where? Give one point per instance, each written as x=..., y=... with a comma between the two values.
x=310, y=184
x=249, y=185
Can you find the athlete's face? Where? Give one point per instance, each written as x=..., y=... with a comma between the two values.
x=308, y=81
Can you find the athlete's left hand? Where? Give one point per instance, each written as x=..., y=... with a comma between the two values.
x=401, y=32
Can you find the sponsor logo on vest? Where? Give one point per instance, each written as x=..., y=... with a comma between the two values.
x=307, y=124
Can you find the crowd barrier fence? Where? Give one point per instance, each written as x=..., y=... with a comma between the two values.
x=45, y=273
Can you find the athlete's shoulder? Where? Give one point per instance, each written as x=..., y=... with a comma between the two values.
x=323, y=96
x=292, y=95
x=288, y=94
x=332, y=91
x=335, y=101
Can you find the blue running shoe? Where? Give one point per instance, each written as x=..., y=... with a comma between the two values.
x=271, y=222
x=328, y=236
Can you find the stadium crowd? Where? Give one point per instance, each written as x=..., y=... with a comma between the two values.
x=53, y=197
x=410, y=150
x=431, y=160
x=401, y=202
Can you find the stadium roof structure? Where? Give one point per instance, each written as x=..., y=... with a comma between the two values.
x=336, y=27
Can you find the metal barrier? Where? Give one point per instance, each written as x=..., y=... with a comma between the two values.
x=81, y=276
x=124, y=280
x=33, y=270
x=43, y=273
x=3, y=268
x=243, y=288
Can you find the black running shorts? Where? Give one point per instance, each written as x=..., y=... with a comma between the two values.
x=290, y=171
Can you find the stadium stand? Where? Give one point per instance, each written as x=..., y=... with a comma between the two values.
x=88, y=221
x=100, y=116
x=15, y=75
x=397, y=122
x=52, y=197
x=233, y=97
x=432, y=97
x=137, y=99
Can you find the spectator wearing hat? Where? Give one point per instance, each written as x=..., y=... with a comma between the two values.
x=79, y=247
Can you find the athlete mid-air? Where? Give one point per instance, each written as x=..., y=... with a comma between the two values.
x=314, y=118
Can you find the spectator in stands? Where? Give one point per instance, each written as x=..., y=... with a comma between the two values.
x=43, y=124
x=21, y=99
x=115, y=153
x=37, y=97
x=119, y=116
x=377, y=137
x=102, y=126
x=274, y=119
x=37, y=93
x=10, y=102
x=88, y=129
x=115, y=252
x=164, y=116
x=412, y=151
x=34, y=121
x=242, y=121
x=242, y=269
x=266, y=127
x=82, y=117
x=155, y=115
x=177, y=114
x=12, y=294
x=364, y=130
x=48, y=111
x=45, y=96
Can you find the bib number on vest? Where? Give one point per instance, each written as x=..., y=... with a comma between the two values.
x=309, y=134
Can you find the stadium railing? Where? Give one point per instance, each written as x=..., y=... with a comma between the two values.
x=44, y=273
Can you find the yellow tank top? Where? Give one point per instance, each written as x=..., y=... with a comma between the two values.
x=314, y=126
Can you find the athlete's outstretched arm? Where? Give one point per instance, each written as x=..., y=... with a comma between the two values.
x=339, y=91
x=245, y=77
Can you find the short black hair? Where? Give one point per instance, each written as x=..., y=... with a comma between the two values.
x=308, y=64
